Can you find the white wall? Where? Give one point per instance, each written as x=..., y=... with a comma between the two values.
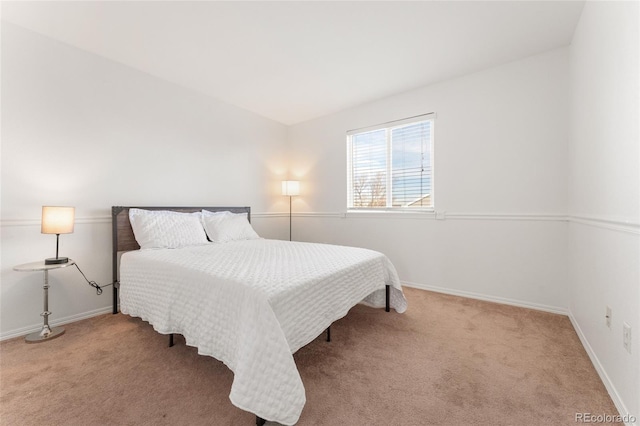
x=500, y=174
x=84, y=131
x=604, y=190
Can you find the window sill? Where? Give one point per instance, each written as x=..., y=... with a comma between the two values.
x=397, y=214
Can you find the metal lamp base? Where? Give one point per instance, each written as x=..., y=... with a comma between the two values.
x=45, y=334
x=56, y=260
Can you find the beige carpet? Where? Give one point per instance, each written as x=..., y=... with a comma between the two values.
x=446, y=361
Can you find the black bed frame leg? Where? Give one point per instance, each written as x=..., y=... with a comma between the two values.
x=260, y=421
x=171, y=340
x=329, y=334
x=388, y=296
x=115, y=299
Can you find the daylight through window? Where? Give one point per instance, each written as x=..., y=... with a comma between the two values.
x=390, y=166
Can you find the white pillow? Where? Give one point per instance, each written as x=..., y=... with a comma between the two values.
x=166, y=229
x=226, y=226
x=210, y=213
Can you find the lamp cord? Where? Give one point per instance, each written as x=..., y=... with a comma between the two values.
x=92, y=283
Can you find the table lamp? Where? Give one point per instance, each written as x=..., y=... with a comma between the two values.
x=57, y=220
x=290, y=188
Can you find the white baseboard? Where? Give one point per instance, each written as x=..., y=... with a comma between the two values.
x=613, y=393
x=65, y=320
x=495, y=299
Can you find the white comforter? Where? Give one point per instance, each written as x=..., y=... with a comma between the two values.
x=252, y=304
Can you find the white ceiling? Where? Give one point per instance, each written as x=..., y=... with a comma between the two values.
x=294, y=61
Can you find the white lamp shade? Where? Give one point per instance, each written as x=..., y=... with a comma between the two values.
x=57, y=220
x=290, y=187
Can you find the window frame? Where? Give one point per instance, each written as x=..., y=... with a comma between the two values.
x=389, y=127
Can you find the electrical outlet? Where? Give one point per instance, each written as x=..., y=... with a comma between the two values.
x=608, y=316
x=626, y=336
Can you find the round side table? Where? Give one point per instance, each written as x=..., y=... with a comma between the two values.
x=46, y=333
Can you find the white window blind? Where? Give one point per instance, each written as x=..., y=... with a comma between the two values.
x=390, y=166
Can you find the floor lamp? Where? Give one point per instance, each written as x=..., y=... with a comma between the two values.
x=290, y=188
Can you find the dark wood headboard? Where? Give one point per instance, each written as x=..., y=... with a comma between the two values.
x=124, y=240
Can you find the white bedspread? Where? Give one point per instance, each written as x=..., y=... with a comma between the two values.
x=252, y=304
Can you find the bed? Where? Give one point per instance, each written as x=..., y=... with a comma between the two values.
x=250, y=303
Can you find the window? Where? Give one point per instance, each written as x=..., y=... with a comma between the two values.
x=391, y=166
